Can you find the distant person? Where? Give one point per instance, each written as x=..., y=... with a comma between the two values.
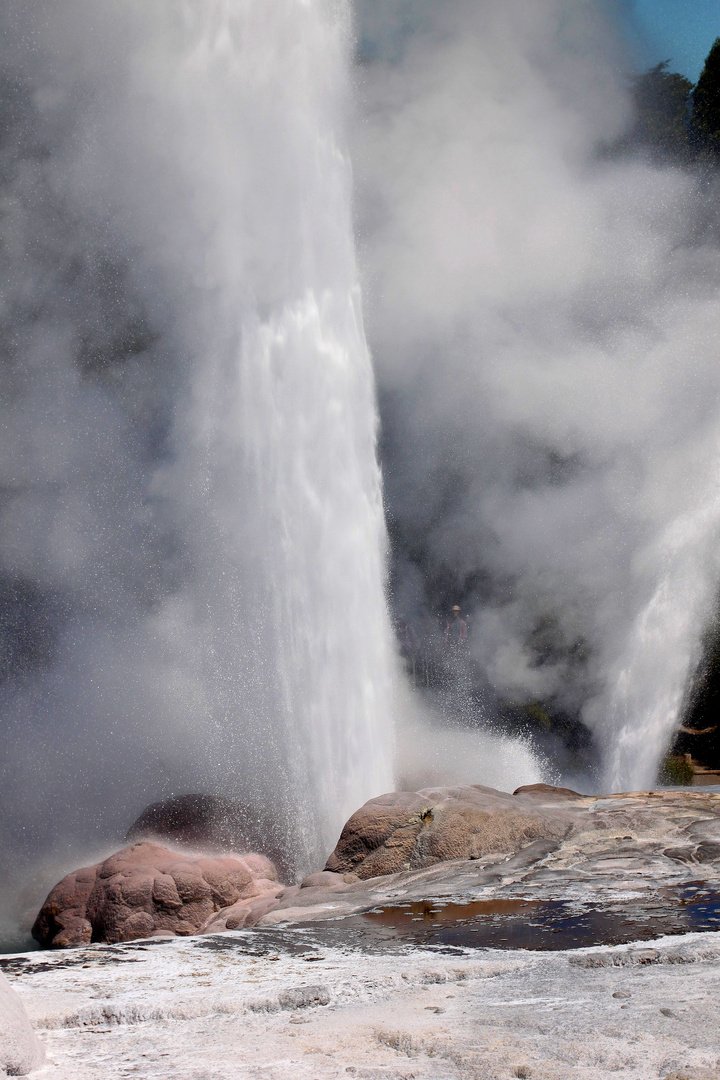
x=406, y=638
x=456, y=630
x=409, y=651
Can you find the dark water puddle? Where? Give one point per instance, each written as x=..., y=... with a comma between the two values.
x=440, y=913
x=454, y=927
x=543, y=925
x=444, y=926
x=100, y=956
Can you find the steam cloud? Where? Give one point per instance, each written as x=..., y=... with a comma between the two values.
x=543, y=315
x=543, y=321
x=188, y=464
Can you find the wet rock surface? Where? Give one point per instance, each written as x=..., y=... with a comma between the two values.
x=593, y=869
x=608, y=869
x=145, y=890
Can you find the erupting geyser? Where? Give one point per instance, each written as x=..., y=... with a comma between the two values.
x=192, y=543
x=193, y=476
x=544, y=303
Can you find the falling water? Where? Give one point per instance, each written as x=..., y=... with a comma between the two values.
x=279, y=440
x=217, y=537
x=644, y=707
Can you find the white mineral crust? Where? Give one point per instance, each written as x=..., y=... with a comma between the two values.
x=232, y=1008
x=20, y=1049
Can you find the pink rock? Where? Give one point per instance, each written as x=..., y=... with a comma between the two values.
x=146, y=890
x=63, y=916
x=547, y=791
x=320, y=879
x=245, y=913
x=215, y=822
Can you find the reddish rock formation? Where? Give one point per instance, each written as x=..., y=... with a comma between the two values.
x=395, y=846
x=412, y=830
x=245, y=913
x=145, y=890
x=213, y=821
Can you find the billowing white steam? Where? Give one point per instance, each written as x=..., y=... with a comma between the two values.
x=544, y=319
x=190, y=471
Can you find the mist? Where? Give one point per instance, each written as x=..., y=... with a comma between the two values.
x=205, y=210
x=188, y=466
x=543, y=313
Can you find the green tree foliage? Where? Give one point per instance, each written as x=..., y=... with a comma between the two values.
x=662, y=100
x=706, y=102
x=676, y=771
x=673, y=118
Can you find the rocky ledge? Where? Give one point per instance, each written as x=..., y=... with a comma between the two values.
x=454, y=843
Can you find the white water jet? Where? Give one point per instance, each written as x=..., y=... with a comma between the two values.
x=282, y=419
x=203, y=143
x=643, y=709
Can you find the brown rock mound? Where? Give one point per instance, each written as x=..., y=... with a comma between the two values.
x=411, y=830
x=212, y=821
x=145, y=890
x=548, y=791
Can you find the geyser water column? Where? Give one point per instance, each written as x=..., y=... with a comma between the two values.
x=283, y=420
x=644, y=705
x=208, y=137
x=276, y=446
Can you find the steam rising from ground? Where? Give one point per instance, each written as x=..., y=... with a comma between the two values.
x=543, y=315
